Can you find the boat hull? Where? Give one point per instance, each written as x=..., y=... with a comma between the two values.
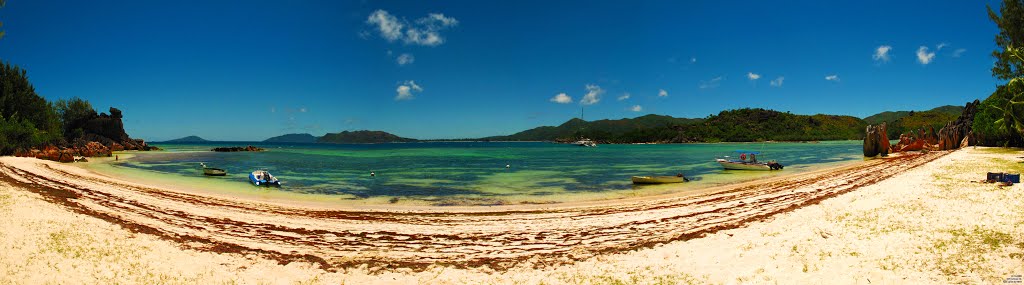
x=657, y=179
x=263, y=182
x=214, y=172
x=734, y=165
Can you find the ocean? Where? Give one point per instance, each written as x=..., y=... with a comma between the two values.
x=472, y=173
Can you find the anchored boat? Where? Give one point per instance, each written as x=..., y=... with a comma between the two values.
x=210, y=171
x=263, y=178
x=748, y=161
x=585, y=142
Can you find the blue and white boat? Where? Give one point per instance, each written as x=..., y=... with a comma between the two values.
x=747, y=161
x=263, y=178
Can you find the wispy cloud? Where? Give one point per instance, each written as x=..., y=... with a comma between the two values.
x=406, y=89
x=923, y=56
x=405, y=58
x=710, y=84
x=662, y=93
x=389, y=26
x=778, y=81
x=958, y=52
x=424, y=31
x=561, y=98
x=832, y=77
x=753, y=76
x=593, y=95
x=693, y=60
x=624, y=96
x=940, y=46
x=636, y=108
x=882, y=54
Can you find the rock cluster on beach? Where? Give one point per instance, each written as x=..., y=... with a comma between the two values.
x=237, y=148
x=955, y=134
x=101, y=135
x=876, y=141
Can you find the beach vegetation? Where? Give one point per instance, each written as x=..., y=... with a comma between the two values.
x=28, y=120
x=1000, y=118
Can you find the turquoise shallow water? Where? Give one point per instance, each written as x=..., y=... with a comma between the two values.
x=459, y=173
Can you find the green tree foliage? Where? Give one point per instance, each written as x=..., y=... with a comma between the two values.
x=1010, y=21
x=999, y=118
x=17, y=134
x=19, y=102
x=74, y=113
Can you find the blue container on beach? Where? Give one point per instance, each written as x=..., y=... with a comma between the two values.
x=1012, y=177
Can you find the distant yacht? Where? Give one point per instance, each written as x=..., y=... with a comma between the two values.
x=585, y=142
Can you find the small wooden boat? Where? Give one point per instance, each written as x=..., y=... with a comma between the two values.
x=659, y=179
x=210, y=171
x=263, y=178
x=747, y=161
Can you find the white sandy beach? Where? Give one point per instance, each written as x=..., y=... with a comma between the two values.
x=927, y=225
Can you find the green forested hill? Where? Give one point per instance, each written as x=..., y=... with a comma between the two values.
x=892, y=116
x=740, y=125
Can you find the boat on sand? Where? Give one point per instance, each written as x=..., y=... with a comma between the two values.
x=263, y=178
x=678, y=178
x=748, y=161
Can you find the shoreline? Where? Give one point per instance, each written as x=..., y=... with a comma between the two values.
x=689, y=239
x=464, y=237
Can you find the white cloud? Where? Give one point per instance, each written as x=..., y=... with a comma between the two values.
x=662, y=93
x=593, y=95
x=390, y=27
x=832, y=77
x=561, y=98
x=405, y=90
x=923, y=56
x=958, y=52
x=636, y=108
x=882, y=53
x=624, y=96
x=405, y=58
x=753, y=76
x=940, y=46
x=713, y=83
x=424, y=31
x=302, y=110
x=778, y=81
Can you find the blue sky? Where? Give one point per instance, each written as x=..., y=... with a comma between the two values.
x=249, y=70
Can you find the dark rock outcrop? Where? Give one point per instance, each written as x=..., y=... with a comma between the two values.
x=876, y=141
x=237, y=148
x=100, y=135
x=952, y=136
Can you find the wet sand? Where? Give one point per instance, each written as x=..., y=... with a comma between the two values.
x=301, y=241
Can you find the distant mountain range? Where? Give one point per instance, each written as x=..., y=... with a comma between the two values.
x=740, y=125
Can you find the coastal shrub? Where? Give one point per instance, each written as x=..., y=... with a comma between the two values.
x=17, y=134
x=18, y=99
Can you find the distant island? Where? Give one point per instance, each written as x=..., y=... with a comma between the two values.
x=740, y=125
x=188, y=139
x=292, y=138
x=362, y=137
x=353, y=137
